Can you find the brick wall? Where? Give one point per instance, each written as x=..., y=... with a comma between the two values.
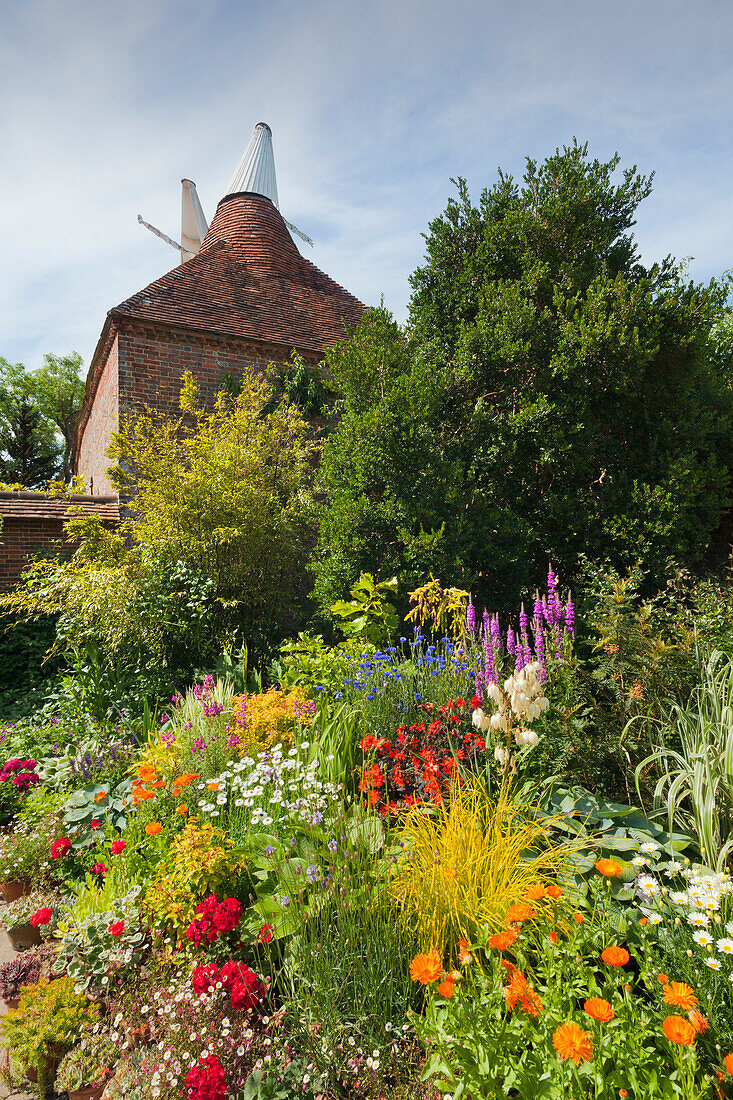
x=103, y=420
x=23, y=539
x=145, y=363
x=32, y=526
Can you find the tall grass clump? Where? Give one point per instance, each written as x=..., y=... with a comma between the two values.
x=463, y=862
x=695, y=757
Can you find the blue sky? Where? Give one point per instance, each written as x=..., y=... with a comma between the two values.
x=373, y=105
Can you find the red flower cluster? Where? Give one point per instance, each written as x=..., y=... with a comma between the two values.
x=41, y=916
x=419, y=764
x=21, y=773
x=116, y=928
x=206, y=1080
x=265, y=933
x=117, y=846
x=214, y=917
x=60, y=848
x=242, y=985
x=99, y=869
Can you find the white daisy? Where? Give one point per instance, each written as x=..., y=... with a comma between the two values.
x=704, y=939
x=640, y=861
x=679, y=897
x=725, y=947
x=698, y=920
x=649, y=847
x=714, y=964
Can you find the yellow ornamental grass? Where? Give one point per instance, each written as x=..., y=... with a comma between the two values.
x=272, y=718
x=464, y=862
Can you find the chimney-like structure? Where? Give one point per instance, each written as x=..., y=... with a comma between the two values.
x=244, y=299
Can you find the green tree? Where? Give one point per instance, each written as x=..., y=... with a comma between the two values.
x=215, y=544
x=29, y=452
x=58, y=390
x=550, y=396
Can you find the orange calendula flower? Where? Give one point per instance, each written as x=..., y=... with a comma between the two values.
x=447, y=988
x=182, y=810
x=141, y=796
x=213, y=786
x=503, y=940
x=571, y=1042
x=680, y=995
x=599, y=1010
x=426, y=968
x=535, y=892
x=530, y=1003
x=153, y=828
x=698, y=1021
x=147, y=773
x=643, y=921
x=609, y=868
x=158, y=785
x=623, y=1094
x=464, y=955
x=181, y=780
x=101, y=797
x=515, y=914
x=615, y=956
x=663, y=978
x=579, y=918
x=678, y=1030
x=728, y=1063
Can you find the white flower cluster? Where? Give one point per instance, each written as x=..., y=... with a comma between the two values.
x=523, y=698
x=274, y=786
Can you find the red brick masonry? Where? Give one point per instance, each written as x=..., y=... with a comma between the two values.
x=32, y=526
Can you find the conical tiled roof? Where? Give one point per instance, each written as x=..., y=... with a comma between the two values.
x=249, y=280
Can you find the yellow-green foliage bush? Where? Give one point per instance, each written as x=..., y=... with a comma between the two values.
x=199, y=862
x=465, y=861
x=272, y=718
x=50, y=1015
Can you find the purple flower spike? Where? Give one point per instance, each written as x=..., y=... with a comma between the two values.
x=570, y=616
x=486, y=622
x=471, y=618
x=511, y=645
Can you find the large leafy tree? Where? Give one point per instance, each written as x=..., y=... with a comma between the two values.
x=551, y=396
x=36, y=408
x=29, y=451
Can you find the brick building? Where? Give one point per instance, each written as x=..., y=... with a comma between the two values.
x=245, y=298
x=32, y=526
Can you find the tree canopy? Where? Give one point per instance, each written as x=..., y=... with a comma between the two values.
x=36, y=407
x=551, y=396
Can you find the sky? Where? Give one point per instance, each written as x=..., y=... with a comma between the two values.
x=374, y=105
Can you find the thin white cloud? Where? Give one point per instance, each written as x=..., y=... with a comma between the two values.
x=373, y=107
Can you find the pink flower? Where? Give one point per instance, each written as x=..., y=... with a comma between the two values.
x=117, y=846
x=41, y=916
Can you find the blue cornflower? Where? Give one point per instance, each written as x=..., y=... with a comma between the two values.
x=418, y=696
x=370, y=695
x=403, y=639
x=339, y=695
x=319, y=687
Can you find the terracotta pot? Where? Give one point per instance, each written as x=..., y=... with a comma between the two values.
x=11, y=1002
x=24, y=936
x=92, y=1093
x=52, y=1065
x=14, y=889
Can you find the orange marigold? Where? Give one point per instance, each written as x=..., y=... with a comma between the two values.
x=571, y=1042
x=515, y=914
x=147, y=773
x=615, y=956
x=515, y=989
x=426, y=968
x=502, y=940
x=679, y=1030
x=153, y=828
x=579, y=918
x=140, y=796
x=728, y=1063
x=623, y=1094
x=213, y=786
x=158, y=785
x=530, y=1003
x=464, y=955
x=101, y=797
x=447, y=988
x=663, y=978
x=680, y=995
x=535, y=892
x=182, y=809
x=609, y=868
x=698, y=1021
x=599, y=1010
x=554, y=891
